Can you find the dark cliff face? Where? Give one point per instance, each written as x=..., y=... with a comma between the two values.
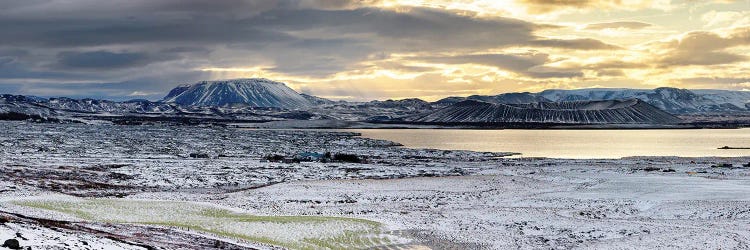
x=632, y=111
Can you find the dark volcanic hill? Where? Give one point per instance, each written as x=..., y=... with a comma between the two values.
x=632, y=111
x=254, y=92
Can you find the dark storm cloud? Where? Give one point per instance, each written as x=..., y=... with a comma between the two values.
x=102, y=59
x=112, y=40
x=319, y=57
x=13, y=52
x=5, y=60
x=528, y=64
x=272, y=32
x=422, y=29
x=11, y=68
x=137, y=88
x=78, y=33
x=415, y=28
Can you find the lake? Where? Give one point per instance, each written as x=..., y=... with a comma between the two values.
x=574, y=143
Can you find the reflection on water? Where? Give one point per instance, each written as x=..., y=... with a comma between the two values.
x=575, y=143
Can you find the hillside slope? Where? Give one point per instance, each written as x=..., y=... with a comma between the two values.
x=578, y=112
x=255, y=92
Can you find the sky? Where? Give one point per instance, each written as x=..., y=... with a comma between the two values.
x=371, y=49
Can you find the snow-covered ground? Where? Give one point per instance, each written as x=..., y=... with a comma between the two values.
x=419, y=198
x=40, y=237
x=537, y=203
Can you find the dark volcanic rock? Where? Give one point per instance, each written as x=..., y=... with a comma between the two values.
x=199, y=155
x=12, y=244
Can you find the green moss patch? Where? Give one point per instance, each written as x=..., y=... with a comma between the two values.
x=296, y=232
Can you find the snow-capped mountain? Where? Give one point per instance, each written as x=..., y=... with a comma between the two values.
x=737, y=98
x=254, y=92
x=672, y=100
x=106, y=106
x=632, y=111
x=39, y=106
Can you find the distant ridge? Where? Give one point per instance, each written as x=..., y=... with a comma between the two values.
x=507, y=98
x=255, y=92
x=259, y=99
x=672, y=100
x=632, y=111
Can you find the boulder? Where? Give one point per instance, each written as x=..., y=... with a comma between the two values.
x=12, y=244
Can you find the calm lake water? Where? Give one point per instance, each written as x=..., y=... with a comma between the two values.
x=574, y=143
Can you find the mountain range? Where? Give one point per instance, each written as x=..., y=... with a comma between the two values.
x=258, y=99
x=672, y=100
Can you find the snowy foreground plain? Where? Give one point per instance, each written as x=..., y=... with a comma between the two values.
x=72, y=186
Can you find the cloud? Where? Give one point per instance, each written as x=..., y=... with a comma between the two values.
x=578, y=44
x=617, y=25
x=716, y=80
x=334, y=38
x=606, y=67
x=731, y=82
x=417, y=28
x=703, y=48
x=705, y=40
x=547, y=6
x=302, y=38
x=6, y=60
x=102, y=60
x=726, y=18
x=143, y=46
x=338, y=4
x=17, y=71
x=543, y=6
x=700, y=58
x=395, y=65
x=527, y=64
x=145, y=87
